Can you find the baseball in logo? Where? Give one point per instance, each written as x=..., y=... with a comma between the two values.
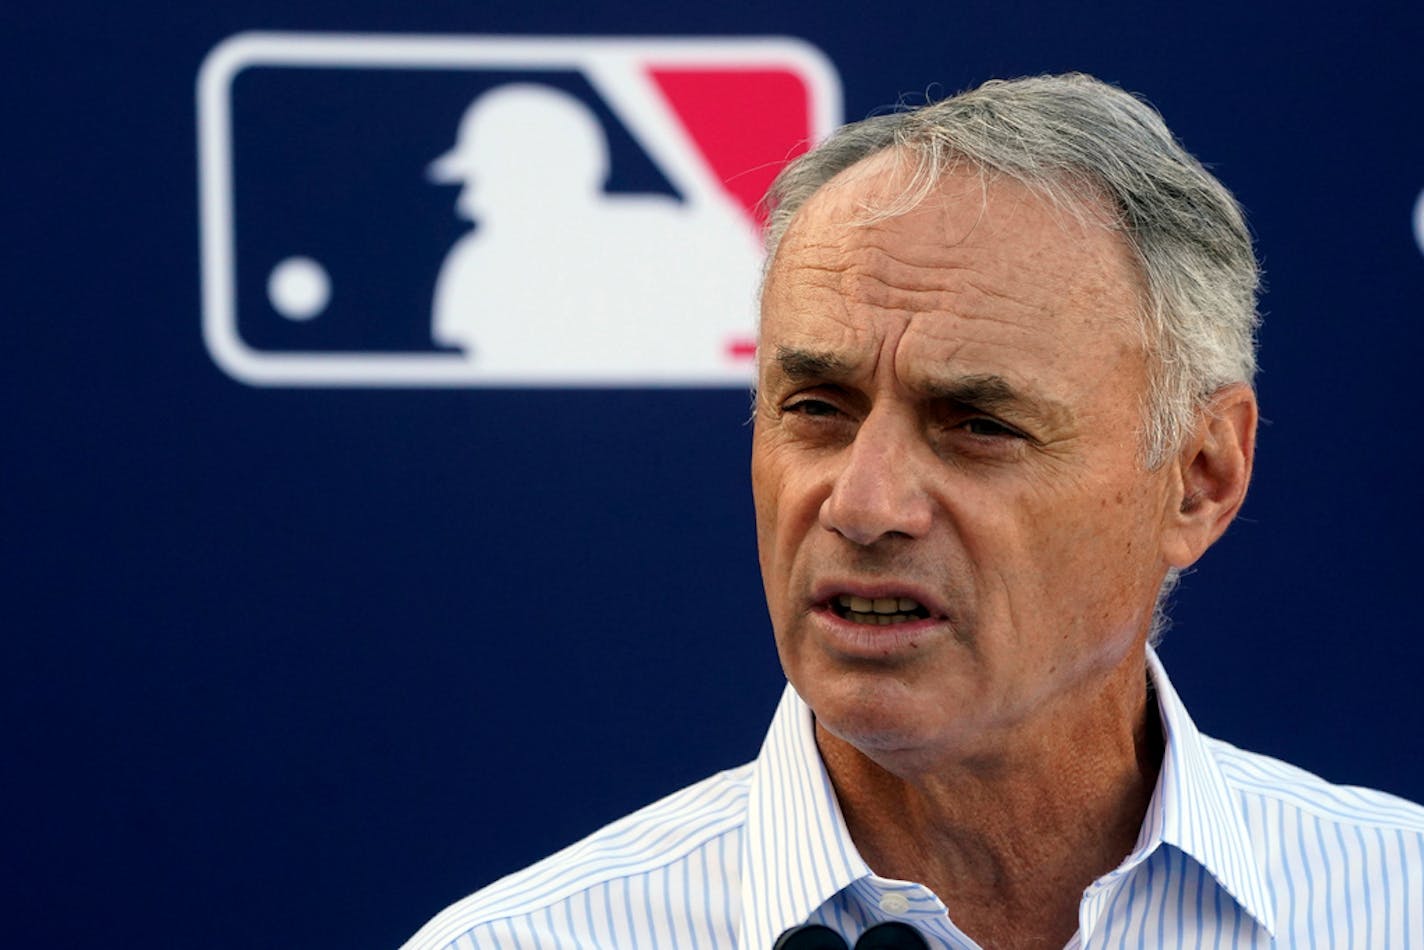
x=469, y=211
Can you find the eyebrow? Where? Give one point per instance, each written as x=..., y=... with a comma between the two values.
x=799, y=365
x=985, y=391
x=993, y=393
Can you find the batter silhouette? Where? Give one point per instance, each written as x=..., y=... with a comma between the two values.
x=560, y=278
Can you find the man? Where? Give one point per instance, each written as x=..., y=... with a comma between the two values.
x=1004, y=396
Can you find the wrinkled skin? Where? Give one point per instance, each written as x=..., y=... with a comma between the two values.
x=1022, y=518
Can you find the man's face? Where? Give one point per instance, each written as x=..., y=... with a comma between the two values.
x=956, y=532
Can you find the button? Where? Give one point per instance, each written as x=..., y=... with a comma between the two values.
x=894, y=903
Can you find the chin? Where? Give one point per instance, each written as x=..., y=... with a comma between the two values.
x=877, y=714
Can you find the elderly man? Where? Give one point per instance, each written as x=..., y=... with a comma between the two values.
x=1004, y=397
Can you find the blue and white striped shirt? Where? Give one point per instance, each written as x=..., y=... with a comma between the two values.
x=1236, y=850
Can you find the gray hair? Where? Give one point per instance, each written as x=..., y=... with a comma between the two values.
x=1084, y=144
x=1078, y=141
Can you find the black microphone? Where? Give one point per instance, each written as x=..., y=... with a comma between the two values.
x=887, y=936
x=810, y=937
x=891, y=936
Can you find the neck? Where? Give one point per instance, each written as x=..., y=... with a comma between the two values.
x=1009, y=840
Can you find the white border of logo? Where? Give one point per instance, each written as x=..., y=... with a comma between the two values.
x=612, y=65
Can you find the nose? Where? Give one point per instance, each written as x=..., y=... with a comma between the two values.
x=879, y=492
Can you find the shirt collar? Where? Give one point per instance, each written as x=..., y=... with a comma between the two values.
x=1194, y=810
x=797, y=852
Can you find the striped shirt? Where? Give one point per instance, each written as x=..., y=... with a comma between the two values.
x=1236, y=850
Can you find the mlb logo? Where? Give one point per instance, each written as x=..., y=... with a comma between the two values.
x=493, y=211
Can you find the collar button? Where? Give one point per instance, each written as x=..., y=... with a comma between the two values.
x=894, y=903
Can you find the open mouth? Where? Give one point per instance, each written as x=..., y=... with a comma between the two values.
x=880, y=611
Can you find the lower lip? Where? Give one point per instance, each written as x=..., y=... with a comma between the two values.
x=866, y=642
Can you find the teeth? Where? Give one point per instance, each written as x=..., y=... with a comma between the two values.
x=887, y=606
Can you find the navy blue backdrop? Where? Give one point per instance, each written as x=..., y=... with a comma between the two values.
x=299, y=666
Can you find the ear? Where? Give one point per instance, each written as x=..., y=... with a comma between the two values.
x=1213, y=470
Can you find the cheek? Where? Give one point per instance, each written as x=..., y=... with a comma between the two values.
x=1105, y=557
x=770, y=499
x=785, y=497
x=766, y=496
x=1058, y=552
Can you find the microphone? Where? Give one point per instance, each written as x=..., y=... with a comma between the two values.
x=891, y=935
x=810, y=937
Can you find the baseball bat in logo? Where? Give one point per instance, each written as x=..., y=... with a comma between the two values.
x=471, y=211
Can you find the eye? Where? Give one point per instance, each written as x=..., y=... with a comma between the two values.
x=990, y=428
x=810, y=407
x=981, y=426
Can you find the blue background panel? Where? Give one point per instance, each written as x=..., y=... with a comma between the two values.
x=293, y=667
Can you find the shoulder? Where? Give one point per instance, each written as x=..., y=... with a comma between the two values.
x=1348, y=859
x=602, y=890
x=1265, y=782
x=1325, y=846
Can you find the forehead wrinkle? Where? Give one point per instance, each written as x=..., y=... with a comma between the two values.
x=931, y=276
x=941, y=244
x=982, y=285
